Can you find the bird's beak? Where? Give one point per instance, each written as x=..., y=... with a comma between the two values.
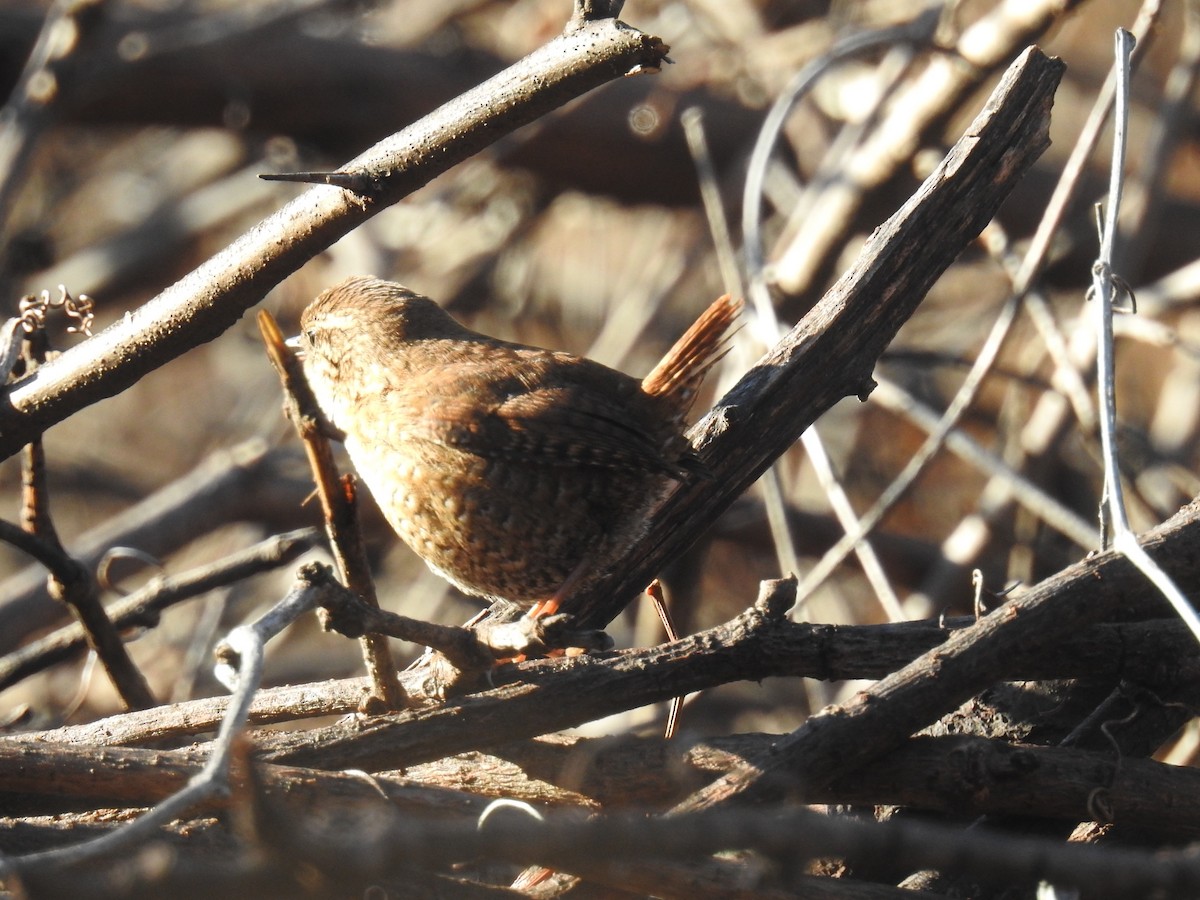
x=293, y=344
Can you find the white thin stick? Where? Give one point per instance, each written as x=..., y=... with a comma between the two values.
x=842, y=508
x=1103, y=287
x=1112, y=512
x=894, y=398
x=919, y=30
x=963, y=399
x=771, y=482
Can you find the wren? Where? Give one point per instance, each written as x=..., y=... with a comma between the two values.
x=513, y=471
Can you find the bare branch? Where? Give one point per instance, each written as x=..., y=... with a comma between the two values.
x=209, y=300
x=143, y=607
x=831, y=353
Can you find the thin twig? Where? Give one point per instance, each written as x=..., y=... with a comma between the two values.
x=658, y=598
x=1150, y=184
x=1104, y=287
x=692, y=120
x=81, y=594
x=1067, y=376
x=143, y=607
x=1112, y=513
x=929, y=449
x=1068, y=181
x=894, y=398
x=73, y=584
x=337, y=503
x=839, y=501
x=240, y=668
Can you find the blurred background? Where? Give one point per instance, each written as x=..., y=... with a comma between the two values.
x=585, y=232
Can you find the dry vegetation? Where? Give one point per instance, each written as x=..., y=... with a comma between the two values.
x=1058, y=725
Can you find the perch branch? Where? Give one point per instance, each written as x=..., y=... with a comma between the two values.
x=1027, y=634
x=567, y=692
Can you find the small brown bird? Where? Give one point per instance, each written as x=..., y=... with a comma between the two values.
x=511, y=470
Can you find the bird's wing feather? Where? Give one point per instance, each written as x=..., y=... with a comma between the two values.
x=534, y=413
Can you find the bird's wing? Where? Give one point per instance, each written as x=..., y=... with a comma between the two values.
x=541, y=415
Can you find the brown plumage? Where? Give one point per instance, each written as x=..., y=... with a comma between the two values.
x=511, y=470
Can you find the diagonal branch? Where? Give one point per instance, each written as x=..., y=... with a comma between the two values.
x=830, y=354
x=214, y=296
x=881, y=717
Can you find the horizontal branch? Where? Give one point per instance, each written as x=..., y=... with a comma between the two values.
x=161, y=724
x=956, y=775
x=353, y=852
x=134, y=777
x=543, y=696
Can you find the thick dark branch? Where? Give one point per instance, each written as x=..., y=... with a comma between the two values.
x=555, y=694
x=354, y=851
x=209, y=300
x=190, y=717
x=955, y=775
x=832, y=352
x=124, y=776
x=841, y=739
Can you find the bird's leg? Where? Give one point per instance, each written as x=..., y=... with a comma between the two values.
x=550, y=605
x=543, y=608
